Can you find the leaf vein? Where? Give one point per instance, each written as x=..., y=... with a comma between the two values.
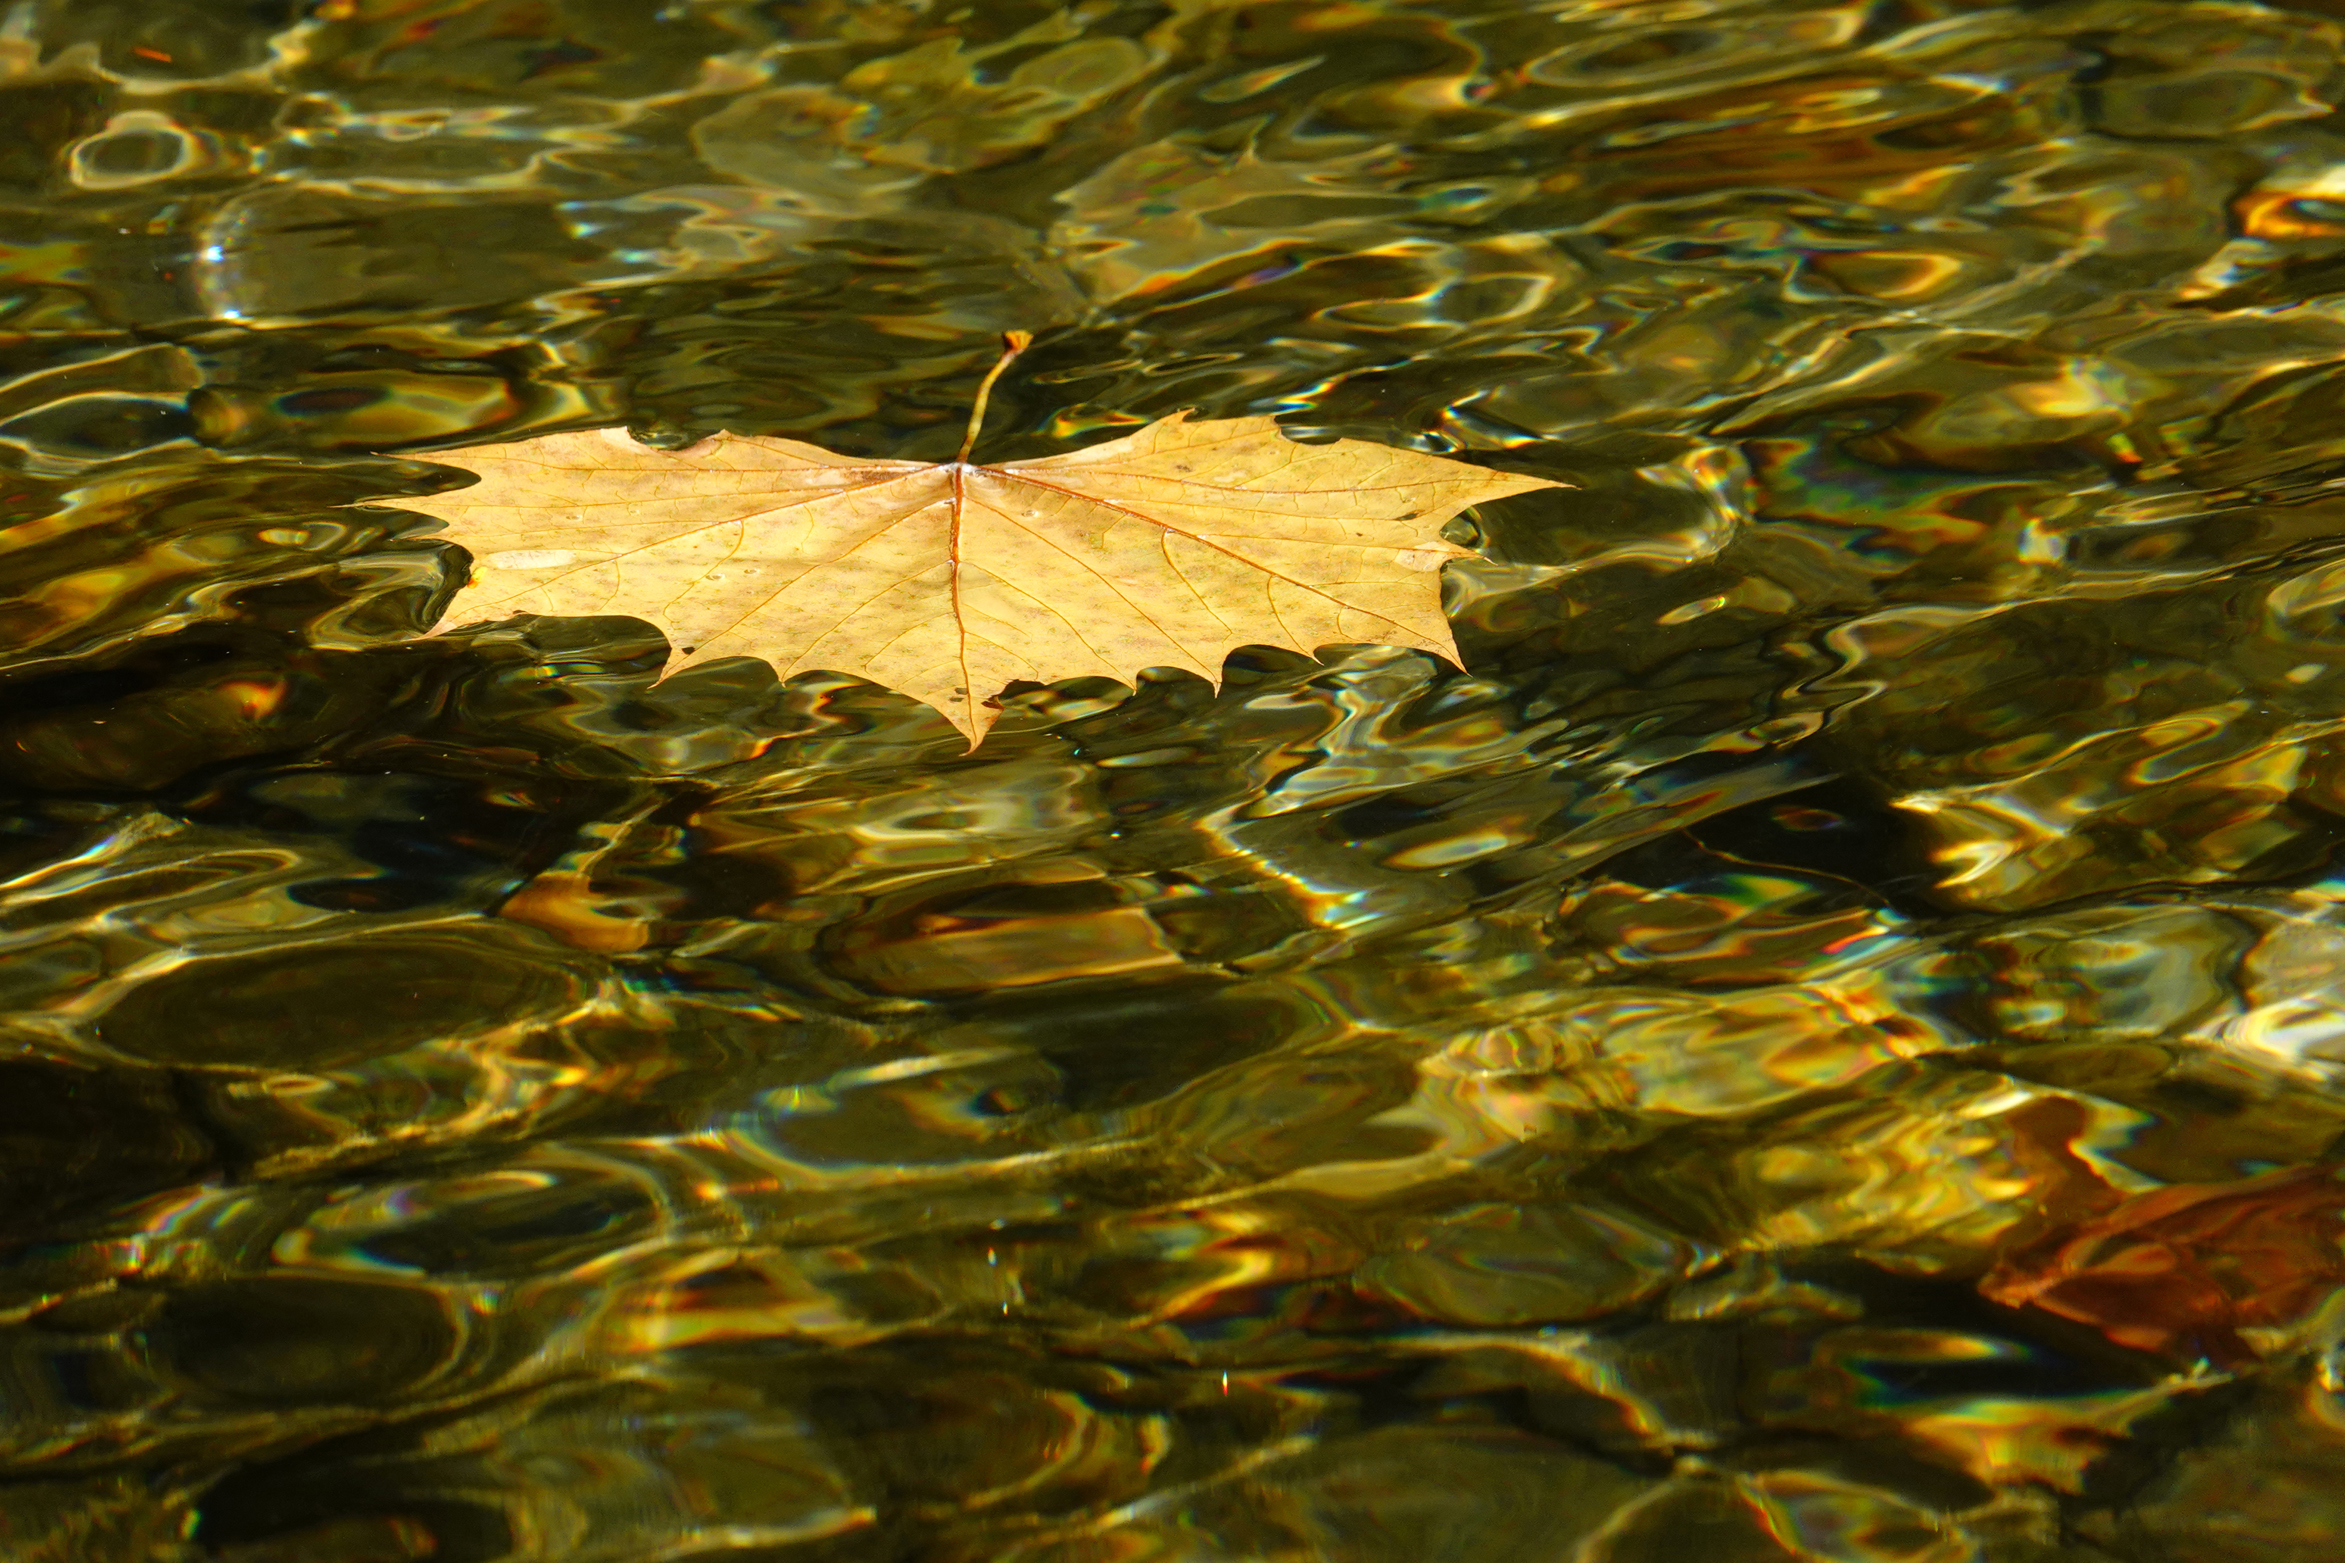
x=1084, y=565
x=1231, y=553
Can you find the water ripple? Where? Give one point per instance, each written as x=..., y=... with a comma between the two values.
x=1821, y=1041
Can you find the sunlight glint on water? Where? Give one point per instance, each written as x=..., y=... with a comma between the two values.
x=1823, y=1042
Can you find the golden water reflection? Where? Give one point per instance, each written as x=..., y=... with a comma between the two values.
x=1821, y=1042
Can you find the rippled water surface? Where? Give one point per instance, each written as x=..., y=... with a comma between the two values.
x=1825, y=1041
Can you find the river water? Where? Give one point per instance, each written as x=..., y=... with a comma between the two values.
x=1823, y=1042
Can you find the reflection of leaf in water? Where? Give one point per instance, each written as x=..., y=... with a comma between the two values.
x=921, y=112
x=1164, y=211
x=932, y=112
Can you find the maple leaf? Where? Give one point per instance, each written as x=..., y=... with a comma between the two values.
x=1171, y=547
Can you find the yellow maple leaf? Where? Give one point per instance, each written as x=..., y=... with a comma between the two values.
x=1171, y=547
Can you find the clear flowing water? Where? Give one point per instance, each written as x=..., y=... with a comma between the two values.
x=1823, y=1042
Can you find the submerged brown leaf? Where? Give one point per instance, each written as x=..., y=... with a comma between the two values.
x=1170, y=547
x=2185, y=1268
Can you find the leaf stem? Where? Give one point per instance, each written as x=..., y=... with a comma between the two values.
x=1013, y=343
